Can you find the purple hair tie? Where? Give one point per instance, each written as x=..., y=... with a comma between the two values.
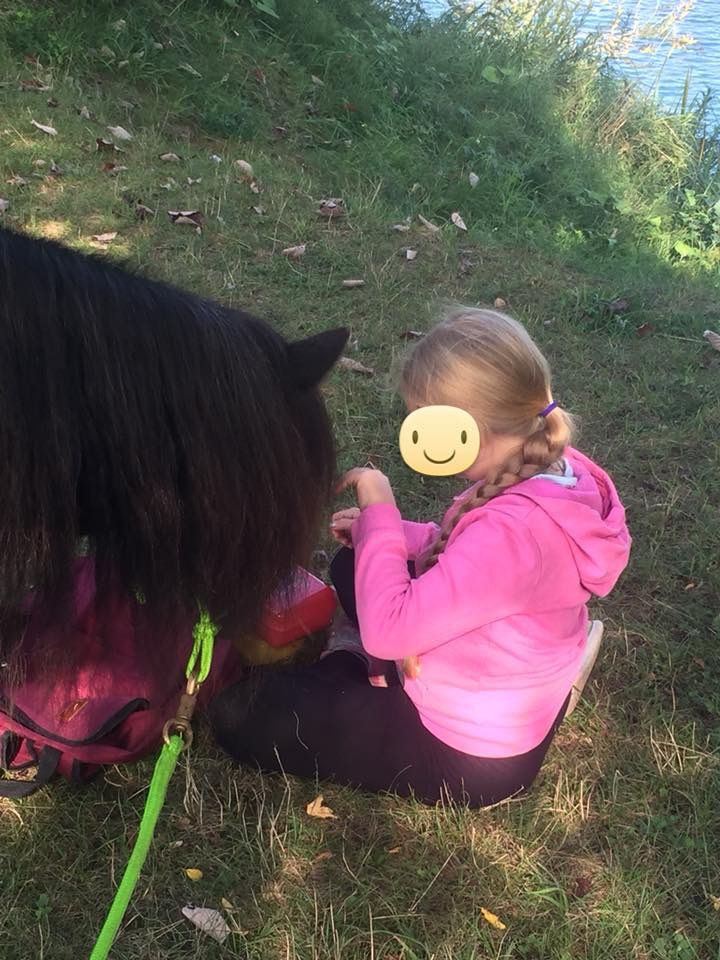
x=548, y=409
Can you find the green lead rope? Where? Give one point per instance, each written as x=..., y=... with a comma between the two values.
x=197, y=669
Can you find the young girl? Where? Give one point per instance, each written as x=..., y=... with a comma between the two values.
x=486, y=613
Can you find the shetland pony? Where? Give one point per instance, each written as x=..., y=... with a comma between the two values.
x=186, y=443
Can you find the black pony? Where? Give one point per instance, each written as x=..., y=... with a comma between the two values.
x=186, y=441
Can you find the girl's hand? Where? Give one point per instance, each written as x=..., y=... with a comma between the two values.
x=371, y=486
x=341, y=525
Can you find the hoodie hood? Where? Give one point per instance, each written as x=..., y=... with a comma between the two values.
x=591, y=518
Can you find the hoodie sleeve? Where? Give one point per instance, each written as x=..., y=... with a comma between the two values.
x=418, y=536
x=489, y=571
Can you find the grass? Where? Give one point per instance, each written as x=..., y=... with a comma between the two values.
x=615, y=852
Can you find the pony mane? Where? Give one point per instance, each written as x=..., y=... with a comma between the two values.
x=185, y=441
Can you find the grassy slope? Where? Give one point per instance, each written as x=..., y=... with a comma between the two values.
x=614, y=855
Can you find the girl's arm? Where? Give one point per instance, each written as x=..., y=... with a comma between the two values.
x=488, y=572
x=418, y=537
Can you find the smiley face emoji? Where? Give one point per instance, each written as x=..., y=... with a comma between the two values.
x=439, y=441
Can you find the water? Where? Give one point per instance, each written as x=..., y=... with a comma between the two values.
x=652, y=62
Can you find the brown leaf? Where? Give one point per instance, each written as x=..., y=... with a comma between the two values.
x=33, y=85
x=120, y=133
x=259, y=210
x=432, y=228
x=104, y=238
x=256, y=187
x=582, y=887
x=500, y=304
x=474, y=180
x=713, y=339
x=51, y=131
x=106, y=146
x=259, y=75
x=192, y=873
x=170, y=158
x=644, y=329
x=332, y=208
x=17, y=181
x=113, y=168
x=458, y=221
x=394, y=850
x=353, y=283
x=321, y=857
x=317, y=809
x=4, y=204
x=411, y=335
x=294, y=253
x=209, y=921
x=193, y=218
x=142, y=212
x=410, y=254
x=349, y=364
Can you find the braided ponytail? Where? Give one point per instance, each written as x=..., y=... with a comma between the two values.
x=486, y=362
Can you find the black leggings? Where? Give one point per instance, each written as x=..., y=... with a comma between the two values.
x=327, y=721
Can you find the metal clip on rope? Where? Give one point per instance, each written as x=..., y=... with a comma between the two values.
x=181, y=724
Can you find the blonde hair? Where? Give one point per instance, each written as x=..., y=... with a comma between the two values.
x=487, y=363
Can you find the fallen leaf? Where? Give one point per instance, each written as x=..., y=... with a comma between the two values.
x=644, y=329
x=401, y=227
x=176, y=843
x=51, y=131
x=52, y=103
x=713, y=339
x=316, y=808
x=156, y=45
x=170, y=184
x=715, y=902
x=17, y=181
x=349, y=364
x=215, y=158
x=245, y=168
x=699, y=662
x=169, y=158
x=106, y=146
x=32, y=85
x=690, y=586
x=192, y=873
x=618, y=305
x=353, y=283
x=259, y=210
x=492, y=919
x=259, y=74
x=332, y=208
x=500, y=304
x=226, y=905
x=256, y=187
x=294, y=253
x=209, y=921
x=112, y=168
x=321, y=857
x=474, y=180
x=119, y=25
x=104, y=237
x=4, y=204
x=106, y=52
x=55, y=170
x=142, y=212
x=123, y=64
x=38, y=163
x=458, y=221
x=120, y=133
x=410, y=254
x=188, y=68
x=193, y=180
x=84, y=113
x=411, y=335
x=394, y=850
x=429, y=226
x=316, y=80
x=581, y=887
x=192, y=217
x=280, y=132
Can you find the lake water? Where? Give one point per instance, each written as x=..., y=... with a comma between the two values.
x=652, y=62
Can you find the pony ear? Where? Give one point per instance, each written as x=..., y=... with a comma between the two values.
x=311, y=359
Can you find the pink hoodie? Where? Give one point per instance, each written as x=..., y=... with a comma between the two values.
x=500, y=622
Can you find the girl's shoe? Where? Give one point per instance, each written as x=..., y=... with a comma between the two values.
x=595, y=635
